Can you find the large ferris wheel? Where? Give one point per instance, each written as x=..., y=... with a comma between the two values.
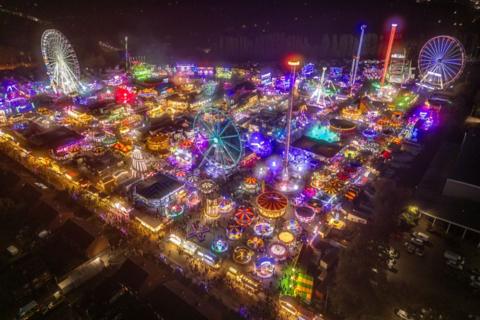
x=61, y=62
x=218, y=139
x=440, y=62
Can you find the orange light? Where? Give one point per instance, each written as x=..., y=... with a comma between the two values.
x=293, y=63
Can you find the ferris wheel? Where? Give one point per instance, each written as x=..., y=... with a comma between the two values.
x=324, y=94
x=61, y=62
x=218, y=139
x=440, y=62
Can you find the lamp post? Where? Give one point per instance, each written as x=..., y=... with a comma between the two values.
x=126, y=53
x=294, y=64
x=356, y=59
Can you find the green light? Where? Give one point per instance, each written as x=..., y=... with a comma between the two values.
x=322, y=133
x=142, y=71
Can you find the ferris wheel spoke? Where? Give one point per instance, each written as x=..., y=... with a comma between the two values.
x=434, y=49
x=444, y=47
x=205, y=155
x=206, y=126
x=450, y=71
x=232, y=146
x=230, y=136
x=428, y=52
x=229, y=154
x=451, y=52
x=225, y=128
x=453, y=61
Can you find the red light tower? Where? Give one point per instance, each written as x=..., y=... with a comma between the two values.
x=389, y=52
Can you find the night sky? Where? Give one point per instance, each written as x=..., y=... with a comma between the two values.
x=189, y=25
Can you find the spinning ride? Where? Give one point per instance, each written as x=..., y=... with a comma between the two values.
x=265, y=267
x=217, y=138
x=263, y=229
x=244, y=216
x=256, y=243
x=242, y=255
x=286, y=237
x=304, y=214
x=219, y=244
x=234, y=231
x=278, y=251
x=441, y=61
x=272, y=205
x=61, y=62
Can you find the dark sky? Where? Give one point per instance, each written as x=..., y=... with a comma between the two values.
x=187, y=24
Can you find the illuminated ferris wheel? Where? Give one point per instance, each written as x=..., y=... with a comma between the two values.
x=61, y=62
x=440, y=62
x=218, y=139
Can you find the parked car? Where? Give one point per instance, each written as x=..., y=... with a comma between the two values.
x=419, y=251
x=450, y=255
x=417, y=241
x=475, y=271
x=475, y=278
x=454, y=265
x=422, y=236
x=402, y=314
x=410, y=248
x=475, y=284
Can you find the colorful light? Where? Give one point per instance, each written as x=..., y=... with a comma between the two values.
x=259, y=144
x=265, y=267
x=322, y=133
x=389, y=52
x=124, y=95
x=219, y=245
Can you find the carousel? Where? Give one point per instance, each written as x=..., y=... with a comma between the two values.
x=272, y=205
x=250, y=184
x=242, y=255
x=351, y=112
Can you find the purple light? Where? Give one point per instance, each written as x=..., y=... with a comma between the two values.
x=259, y=144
